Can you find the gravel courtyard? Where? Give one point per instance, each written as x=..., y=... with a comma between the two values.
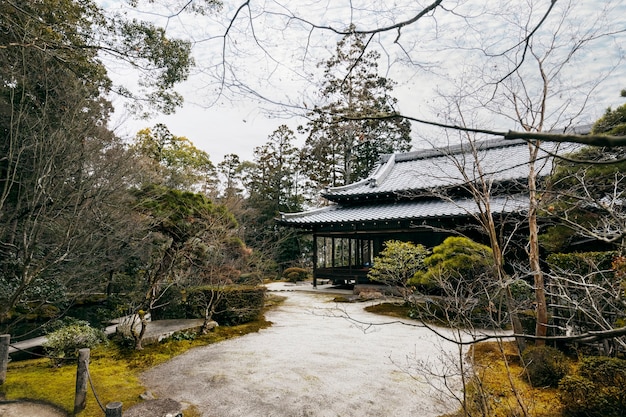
x=311, y=362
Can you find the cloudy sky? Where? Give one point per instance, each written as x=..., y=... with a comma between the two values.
x=256, y=65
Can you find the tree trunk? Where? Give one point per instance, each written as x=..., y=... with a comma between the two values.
x=541, y=328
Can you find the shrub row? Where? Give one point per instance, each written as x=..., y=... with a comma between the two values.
x=582, y=263
x=236, y=305
x=597, y=389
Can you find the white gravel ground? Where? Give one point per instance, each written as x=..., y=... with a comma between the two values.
x=311, y=363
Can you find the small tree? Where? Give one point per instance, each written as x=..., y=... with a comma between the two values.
x=398, y=262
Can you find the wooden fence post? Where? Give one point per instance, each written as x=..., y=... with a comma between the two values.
x=5, y=339
x=82, y=377
x=113, y=409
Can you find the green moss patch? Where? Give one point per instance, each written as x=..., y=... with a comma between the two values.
x=390, y=309
x=114, y=371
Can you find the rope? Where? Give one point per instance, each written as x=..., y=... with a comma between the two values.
x=93, y=389
x=39, y=355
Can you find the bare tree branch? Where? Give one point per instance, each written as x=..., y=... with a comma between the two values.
x=609, y=141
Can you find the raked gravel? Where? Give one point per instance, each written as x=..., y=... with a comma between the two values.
x=314, y=362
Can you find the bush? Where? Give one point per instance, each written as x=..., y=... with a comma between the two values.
x=604, y=371
x=596, y=390
x=240, y=305
x=397, y=263
x=545, y=366
x=456, y=259
x=460, y=273
x=295, y=274
x=64, y=343
x=581, y=263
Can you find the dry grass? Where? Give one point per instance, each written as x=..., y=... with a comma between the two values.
x=501, y=388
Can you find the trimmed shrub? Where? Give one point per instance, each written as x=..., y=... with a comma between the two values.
x=456, y=259
x=64, y=343
x=460, y=277
x=578, y=397
x=604, y=371
x=239, y=305
x=582, y=263
x=545, y=366
x=295, y=274
x=596, y=390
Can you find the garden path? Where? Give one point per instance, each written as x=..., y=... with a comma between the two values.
x=313, y=361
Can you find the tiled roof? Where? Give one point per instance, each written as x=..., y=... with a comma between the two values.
x=499, y=160
x=404, y=210
x=403, y=176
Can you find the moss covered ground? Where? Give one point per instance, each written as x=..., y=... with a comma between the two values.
x=501, y=388
x=114, y=371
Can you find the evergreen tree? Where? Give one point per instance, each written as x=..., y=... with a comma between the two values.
x=174, y=161
x=346, y=135
x=230, y=170
x=587, y=194
x=273, y=186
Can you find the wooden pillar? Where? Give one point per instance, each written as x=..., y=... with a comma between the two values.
x=82, y=377
x=350, y=252
x=314, y=261
x=113, y=409
x=5, y=339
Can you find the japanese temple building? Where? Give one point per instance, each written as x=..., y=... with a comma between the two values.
x=422, y=197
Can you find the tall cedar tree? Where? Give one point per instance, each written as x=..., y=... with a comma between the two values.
x=341, y=148
x=273, y=186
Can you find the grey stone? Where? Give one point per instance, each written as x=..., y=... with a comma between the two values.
x=146, y=396
x=165, y=407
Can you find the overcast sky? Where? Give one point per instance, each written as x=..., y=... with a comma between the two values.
x=268, y=62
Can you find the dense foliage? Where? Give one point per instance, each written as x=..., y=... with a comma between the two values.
x=545, y=365
x=456, y=260
x=586, y=193
x=295, y=274
x=68, y=219
x=460, y=275
x=273, y=183
x=173, y=161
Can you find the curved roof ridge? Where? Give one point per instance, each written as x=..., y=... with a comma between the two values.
x=330, y=190
x=298, y=214
x=382, y=171
x=375, y=178
x=452, y=149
